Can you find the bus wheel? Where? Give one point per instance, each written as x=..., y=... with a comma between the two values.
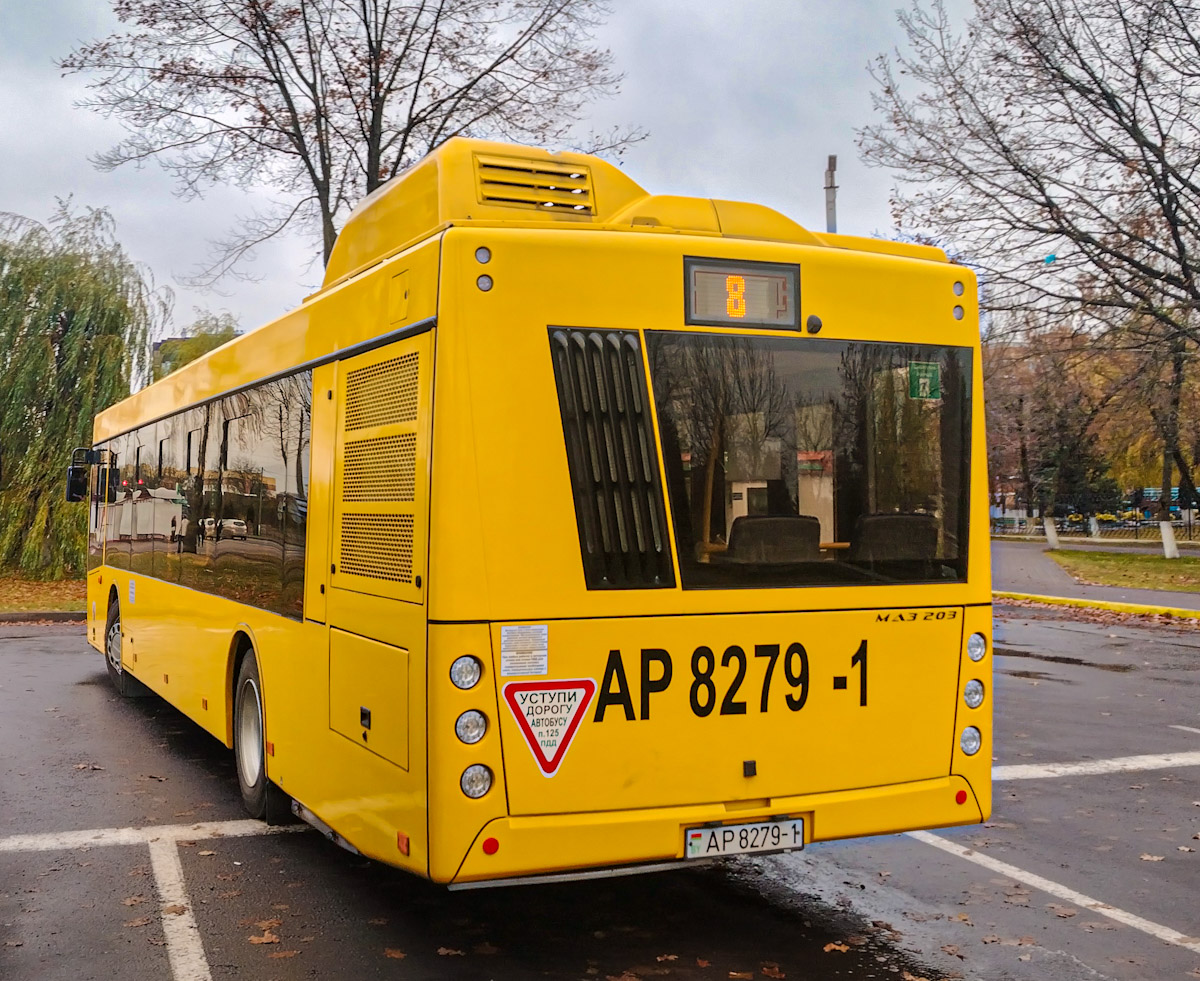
x=125, y=684
x=261, y=798
x=249, y=747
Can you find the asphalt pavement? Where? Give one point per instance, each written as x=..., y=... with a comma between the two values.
x=1024, y=567
x=123, y=852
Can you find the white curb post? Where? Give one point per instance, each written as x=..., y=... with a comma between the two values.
x=1170, y=548
x=1094, y=527
x=1051, y=532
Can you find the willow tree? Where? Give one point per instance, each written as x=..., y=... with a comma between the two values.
x=75, y=315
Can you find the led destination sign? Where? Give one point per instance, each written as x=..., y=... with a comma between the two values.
x=755, y=294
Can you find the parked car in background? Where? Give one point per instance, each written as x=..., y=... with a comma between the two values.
x=233, y=528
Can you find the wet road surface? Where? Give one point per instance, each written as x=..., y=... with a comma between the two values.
x=77, y=758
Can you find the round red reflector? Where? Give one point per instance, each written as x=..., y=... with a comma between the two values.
x=490, y=846
x=960, y=797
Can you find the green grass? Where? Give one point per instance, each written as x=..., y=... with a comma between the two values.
x=1131, y=569
x=23, y=595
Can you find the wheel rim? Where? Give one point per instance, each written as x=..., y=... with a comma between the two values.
x=250, y=727
x=112, y=645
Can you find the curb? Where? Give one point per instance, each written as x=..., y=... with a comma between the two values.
x=55, y=616
x=1107, y=605
x=1065, y=543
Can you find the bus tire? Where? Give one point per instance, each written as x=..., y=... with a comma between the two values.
x=125, y=684
x=261, y=798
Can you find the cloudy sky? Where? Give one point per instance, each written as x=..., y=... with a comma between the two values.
x=742, y=100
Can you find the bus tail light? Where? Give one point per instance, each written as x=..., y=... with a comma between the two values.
x=970, y=741
x=976, y=647
x=471, y=726
x=466, y=671
x=476, y=781
x=490, y=846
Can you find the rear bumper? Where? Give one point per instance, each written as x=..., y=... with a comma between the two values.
x=559, y=843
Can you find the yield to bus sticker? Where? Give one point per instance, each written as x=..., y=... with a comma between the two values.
x=548, y=713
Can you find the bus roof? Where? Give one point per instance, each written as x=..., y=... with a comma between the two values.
x=479, y=182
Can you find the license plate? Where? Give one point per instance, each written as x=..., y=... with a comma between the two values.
x=738, y=839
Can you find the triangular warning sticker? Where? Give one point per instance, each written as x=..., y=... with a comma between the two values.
x=548, y=713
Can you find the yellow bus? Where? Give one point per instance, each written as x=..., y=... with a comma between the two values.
x=568, y=529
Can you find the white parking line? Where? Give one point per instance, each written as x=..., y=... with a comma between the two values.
x=1121, y=764
x=63, y=840
x=1186, y=728
x=185, y=948
x=1157, y=930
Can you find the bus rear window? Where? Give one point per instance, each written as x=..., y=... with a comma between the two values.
x=803, y=462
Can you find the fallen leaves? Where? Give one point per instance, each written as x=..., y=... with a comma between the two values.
x=133, y=900
x=267, y=926
x=1062, y=912
x=140, y=921
x=701, y=962
x=278, y=955
x=666, y=957
x=206, y=853
x=451, y=952
x=840, y=948
x=261, y=924
x=1147, y=857
x=174, y=910
x=394, y=954
x=1185, y=848
x=378, y=921
x=87, y=766
x=741, y=976
x=771, y=970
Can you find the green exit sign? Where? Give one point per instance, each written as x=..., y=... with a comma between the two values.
x=924, y=380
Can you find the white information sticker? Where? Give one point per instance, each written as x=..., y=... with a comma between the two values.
x=524, y=650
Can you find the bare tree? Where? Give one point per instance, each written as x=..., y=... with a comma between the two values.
x=322, y=101
x=1055, y=143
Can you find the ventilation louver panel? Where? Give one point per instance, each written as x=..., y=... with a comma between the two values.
x=382, y=394
x=379, y=546
x=541, y=185
x=381, y=496
x=380, y=470
x=612, y=459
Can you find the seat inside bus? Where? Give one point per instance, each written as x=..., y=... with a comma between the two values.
x=774, y=538
x=894, y=537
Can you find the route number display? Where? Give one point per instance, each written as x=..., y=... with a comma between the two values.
x=758, y=294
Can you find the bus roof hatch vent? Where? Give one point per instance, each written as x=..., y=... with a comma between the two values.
x=542, y=185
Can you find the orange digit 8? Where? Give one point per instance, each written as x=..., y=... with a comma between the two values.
x=735, y=296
